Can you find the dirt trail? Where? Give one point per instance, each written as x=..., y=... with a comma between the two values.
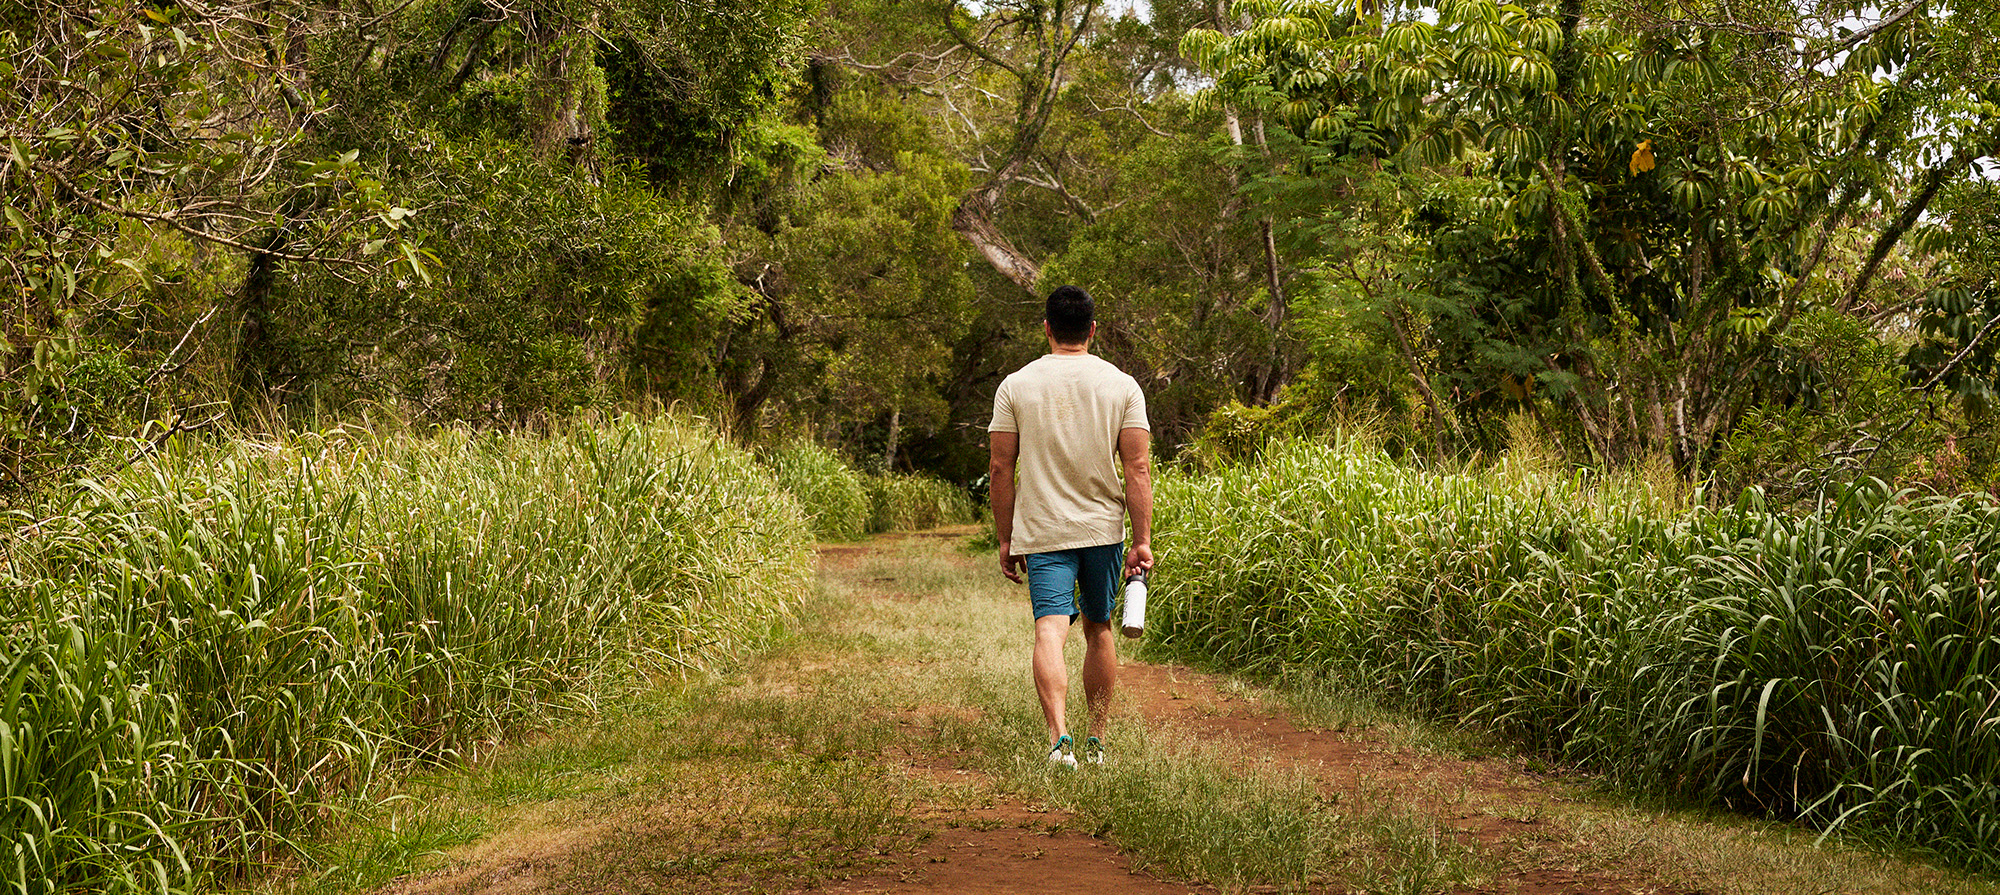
x=1010, y=848
x=1002, y=844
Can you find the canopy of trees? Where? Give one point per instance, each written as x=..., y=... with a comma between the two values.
x=1753, y=238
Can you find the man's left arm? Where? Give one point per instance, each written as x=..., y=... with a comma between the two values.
x=1135, y=453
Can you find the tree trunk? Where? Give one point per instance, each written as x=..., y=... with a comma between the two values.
x=895, y=436
x=1399, y=326
x=1927, y=189
x=1049, y=35
x=750, y=398
x=1277, y=311
x=558, y=125
x=974, y=221
x=255, y=368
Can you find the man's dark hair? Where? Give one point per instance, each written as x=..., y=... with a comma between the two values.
x=1069, y=314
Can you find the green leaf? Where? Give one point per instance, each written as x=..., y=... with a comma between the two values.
x=410, y=255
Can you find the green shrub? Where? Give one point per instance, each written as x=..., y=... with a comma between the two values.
x=1838, y=666
x=834, y=496
x=908, y=503
x=203, y=653
x=1845, y=422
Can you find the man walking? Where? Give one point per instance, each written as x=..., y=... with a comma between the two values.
x=1063, y=428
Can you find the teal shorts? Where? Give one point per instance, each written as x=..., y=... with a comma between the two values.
x=1081, y=580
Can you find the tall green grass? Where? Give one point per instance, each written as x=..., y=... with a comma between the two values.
x=833, y=494
x=845, y=504
x=900, y=502
x=1840, y=666
x=205, y=654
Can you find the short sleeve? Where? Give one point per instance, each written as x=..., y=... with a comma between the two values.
x=1135, y=409
x=1003, y=410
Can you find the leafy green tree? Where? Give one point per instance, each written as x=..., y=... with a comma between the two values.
x=145, y=145
x=1180, y=288
x=1086, y=164
x=1665, y=195
x=859, y=282
x=550, y=292
x=1028, y=47
x=567, y=158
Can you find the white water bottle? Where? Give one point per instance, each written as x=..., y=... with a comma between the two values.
x=1135, y=604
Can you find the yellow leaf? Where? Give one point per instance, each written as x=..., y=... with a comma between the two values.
x=155, y=15
x=1642, y=158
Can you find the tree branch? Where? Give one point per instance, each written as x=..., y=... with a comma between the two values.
x=1928, y=187
x=196, y=232
x=965, y=40
x=1960, y=357
x=1127, y=108
x=1864, y=34
x=1052, y=183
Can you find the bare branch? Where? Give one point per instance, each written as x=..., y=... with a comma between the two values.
x=1127, y=108
x=1051, y=182
x=1960, y=357
x=911, y=68
x=167, y=364
x=969, y=125
x=177, y=223
x=1864, y=34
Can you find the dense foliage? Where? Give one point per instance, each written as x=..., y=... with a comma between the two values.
x=1630, y=225
x=912, y=503
x=206, y=653
x=1751, y=237
x=1835, y=665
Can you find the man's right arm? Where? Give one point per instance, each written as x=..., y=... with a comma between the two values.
x=1002, y=450
x=1135, y=453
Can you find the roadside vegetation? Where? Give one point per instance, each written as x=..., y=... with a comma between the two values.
x=844, y=503
x=899, y=502
x=813, y=753
x=835, y=499
x=1832, y=664
x=211, y=651
x=894, y=718
x=1640, y=227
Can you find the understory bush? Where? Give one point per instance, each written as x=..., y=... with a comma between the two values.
x=205, y=654
x=1839, y=666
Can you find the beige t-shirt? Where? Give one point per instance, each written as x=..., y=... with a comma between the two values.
x=1068, y=410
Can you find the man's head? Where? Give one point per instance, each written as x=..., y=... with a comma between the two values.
x=1069, y=315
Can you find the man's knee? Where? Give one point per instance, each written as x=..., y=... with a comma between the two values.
x=1052, y=627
